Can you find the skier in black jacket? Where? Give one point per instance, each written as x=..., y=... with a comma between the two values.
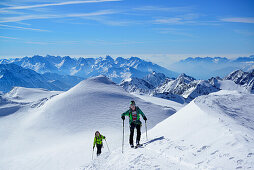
x=134, y=119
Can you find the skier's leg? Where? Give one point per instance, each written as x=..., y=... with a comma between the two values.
x=138, y=134
x=132, y=126
x=98, y=149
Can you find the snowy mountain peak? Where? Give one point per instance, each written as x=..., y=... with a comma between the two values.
x=214, y=81
x=235, y=74
x=137, y=85
x=155, y=79
x=245, y=79
x=184, y=78
x=109, y=58
x=100, y=79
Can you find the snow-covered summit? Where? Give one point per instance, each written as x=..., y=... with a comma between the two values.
x=187, y=87
x=58, y=132
x=245, y=79
x=155, y=79
x=137, y=85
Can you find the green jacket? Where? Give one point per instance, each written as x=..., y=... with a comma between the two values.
x=129, y=113
x=98, y=140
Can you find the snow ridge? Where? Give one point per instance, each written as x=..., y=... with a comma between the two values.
x=211, y=132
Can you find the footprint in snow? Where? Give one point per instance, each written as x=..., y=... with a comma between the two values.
x=250, y=154
x=214, y=152
x=240, y=161
x=203, y=148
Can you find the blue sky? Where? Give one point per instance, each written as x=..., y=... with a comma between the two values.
x=157, y=30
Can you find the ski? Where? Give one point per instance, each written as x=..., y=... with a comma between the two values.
x=138, y=146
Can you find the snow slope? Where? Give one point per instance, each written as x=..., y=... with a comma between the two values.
x=212, y=132
x=21, y=97
x=28, y=95
x=58, y=134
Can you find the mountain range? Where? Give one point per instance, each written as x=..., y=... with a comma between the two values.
x=204, y=68
x=116, y=69
x=186, y=88
x=182, y=89
x=12, y=75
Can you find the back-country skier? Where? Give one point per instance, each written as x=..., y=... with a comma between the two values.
x=98, y=141
x=134, y=119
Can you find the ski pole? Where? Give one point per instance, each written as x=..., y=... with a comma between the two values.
x=107, y=145
x=92, y=154
x=123, y=136
x=146, y=132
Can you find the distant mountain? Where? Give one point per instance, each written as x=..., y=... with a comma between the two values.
x=187, y=87
x=204, y=68
x=155, y=79
x=245, y=79
x=144, y=85
x=170, y=96
x=12, y=75
x=117, y=70
x=205, y=60
x=182, y=89
x=137, y=85
x=245, y=59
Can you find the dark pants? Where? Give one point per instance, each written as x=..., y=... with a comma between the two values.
x=99, y=146
x=132, y=127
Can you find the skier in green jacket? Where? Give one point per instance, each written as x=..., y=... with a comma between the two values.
x=134, y=119
x=98, y=141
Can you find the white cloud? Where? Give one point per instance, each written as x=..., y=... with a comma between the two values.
x=179, y=19
x=173, y=20
x=57, y=4
x=113, y=22
x=30, y=17
x=22, y=28
x=5, y=37
x=239, y=19
x=156, y=8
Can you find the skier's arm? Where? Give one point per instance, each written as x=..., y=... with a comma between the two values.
x=126, y=113
x=103, y=137
x=143, y=115
x=94, y=142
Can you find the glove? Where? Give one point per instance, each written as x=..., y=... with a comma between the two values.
x=93, y=147
x=145, y=118
x=123, y=117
